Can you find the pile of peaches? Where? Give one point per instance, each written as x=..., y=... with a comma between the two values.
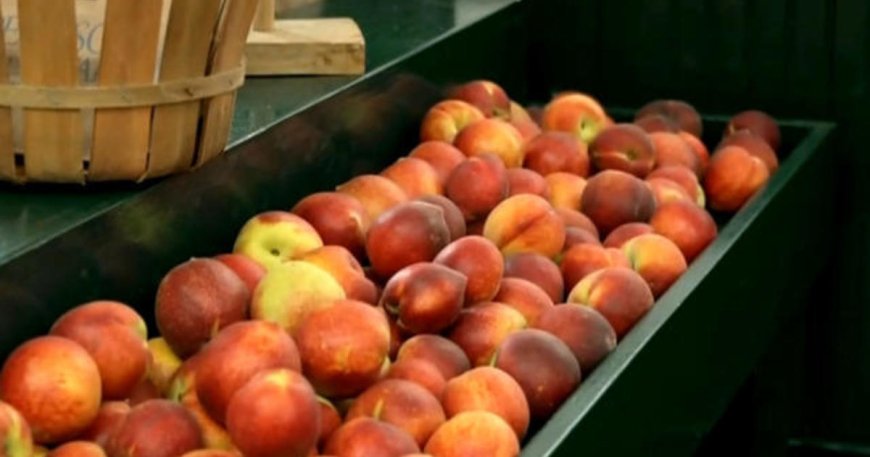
x=446, y=306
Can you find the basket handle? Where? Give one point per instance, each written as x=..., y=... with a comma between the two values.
x=82, y=97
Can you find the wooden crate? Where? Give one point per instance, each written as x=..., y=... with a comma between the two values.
x=159, y=101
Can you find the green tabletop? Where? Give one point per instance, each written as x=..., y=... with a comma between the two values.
x=33, y=214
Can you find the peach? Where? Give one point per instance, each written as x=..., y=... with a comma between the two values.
x=657, y=259
x=613, y=198
x=476, y=433
x=576, y=113
x=581, y=260
x=621, y=295
x=574, y=218
x=543, y=366
x=757, y=122
x=183, y=391
x=583, y=329
x=493, y=136
x=343, y=347
x=687, y=179
x=291, y=291
x=194, y=300
x=376, y=193
x=406, y=234
x=672, y=149
x=539, y=270
x=248, y=270
x=665, y=190
x=77, y=449
x=275, y=413
x=481, y=328
x=156, y=428
x=415, y=176
x=115, y=336
x=625, y=232
x=273, y=237
x=16, y=439
x=330, y=420
x=110, y=416
x=624, y=147
x=524, y=296
x=528, y=128
x=144, y=390
x=339, y=219
x=425, y=297
x=689, y=226
x=420, y=371
x=443, y=157
x=446, y=119
x=341, y=264
x=680, y=112
x=452, y=214
x=657, y=123
x=446, y=355
x=487, y=96
x=54, y=383
x=525, y=181
x=566, y=190
x=477, y=185
x=518, y=112
x=235, y=355
x=488, y=389
x=212, y=453
x=367, y=437
x=525, y=223
x=700, y=150
x=734, y=175
x=575, y=236
x=480, y=260
x=403, y=404
x=551, y=152
x=754, y=145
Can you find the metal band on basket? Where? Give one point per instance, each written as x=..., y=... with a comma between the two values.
x=162, y=93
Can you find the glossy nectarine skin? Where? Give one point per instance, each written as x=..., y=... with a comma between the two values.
x=406, y=234
x=425, y=297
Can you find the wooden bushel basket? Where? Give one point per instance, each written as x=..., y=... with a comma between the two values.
x=160, y=101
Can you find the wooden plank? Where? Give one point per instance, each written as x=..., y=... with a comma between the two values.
x=53, y=140
x=229, y=50
x=189, y=35
x=330, y=46
x=129, y=56
x=7, y=153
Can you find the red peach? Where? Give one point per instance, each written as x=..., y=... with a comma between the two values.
x=613, y=198
x=330, y=420
x=700, y=150
x=657, y=259
x=733, y=177
x=377, y=194
x=624, y=147
x=551, y=152
x=446, y=355
x=621, y=295
x=687, y=179
x=689, y=226
x=273, y=237
x=581, y=260
x=488, y=389
x=340, y=219
x=487, y=96
x=527, y=298
x=415, y=176
x=576, y=113
x=481, y=328
x=480, y=260
x=420, y=371
x=492, y=136
x=672, y=149
x=754, y=145
x=474, y=433
x=682, y=113
x=525, y=181
x=525, y=223
x=443, y=157
x=575, y=236
x=452, y=214
x=446, y=119
x=341, y=264
x=425, y=297
x=477, y=185
x=566, y=190
x=586, y=332
x=757, y=122
x=625, y=232
x=156, y=428
x=406, y=234
x=78, y=449
x=537, y=269
x=574, y=218
x=665, y=190
x=248, y=270
x=528, y=128
x=657, y=123
x=110, y=416
x=403, y=404
x=367, y=437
